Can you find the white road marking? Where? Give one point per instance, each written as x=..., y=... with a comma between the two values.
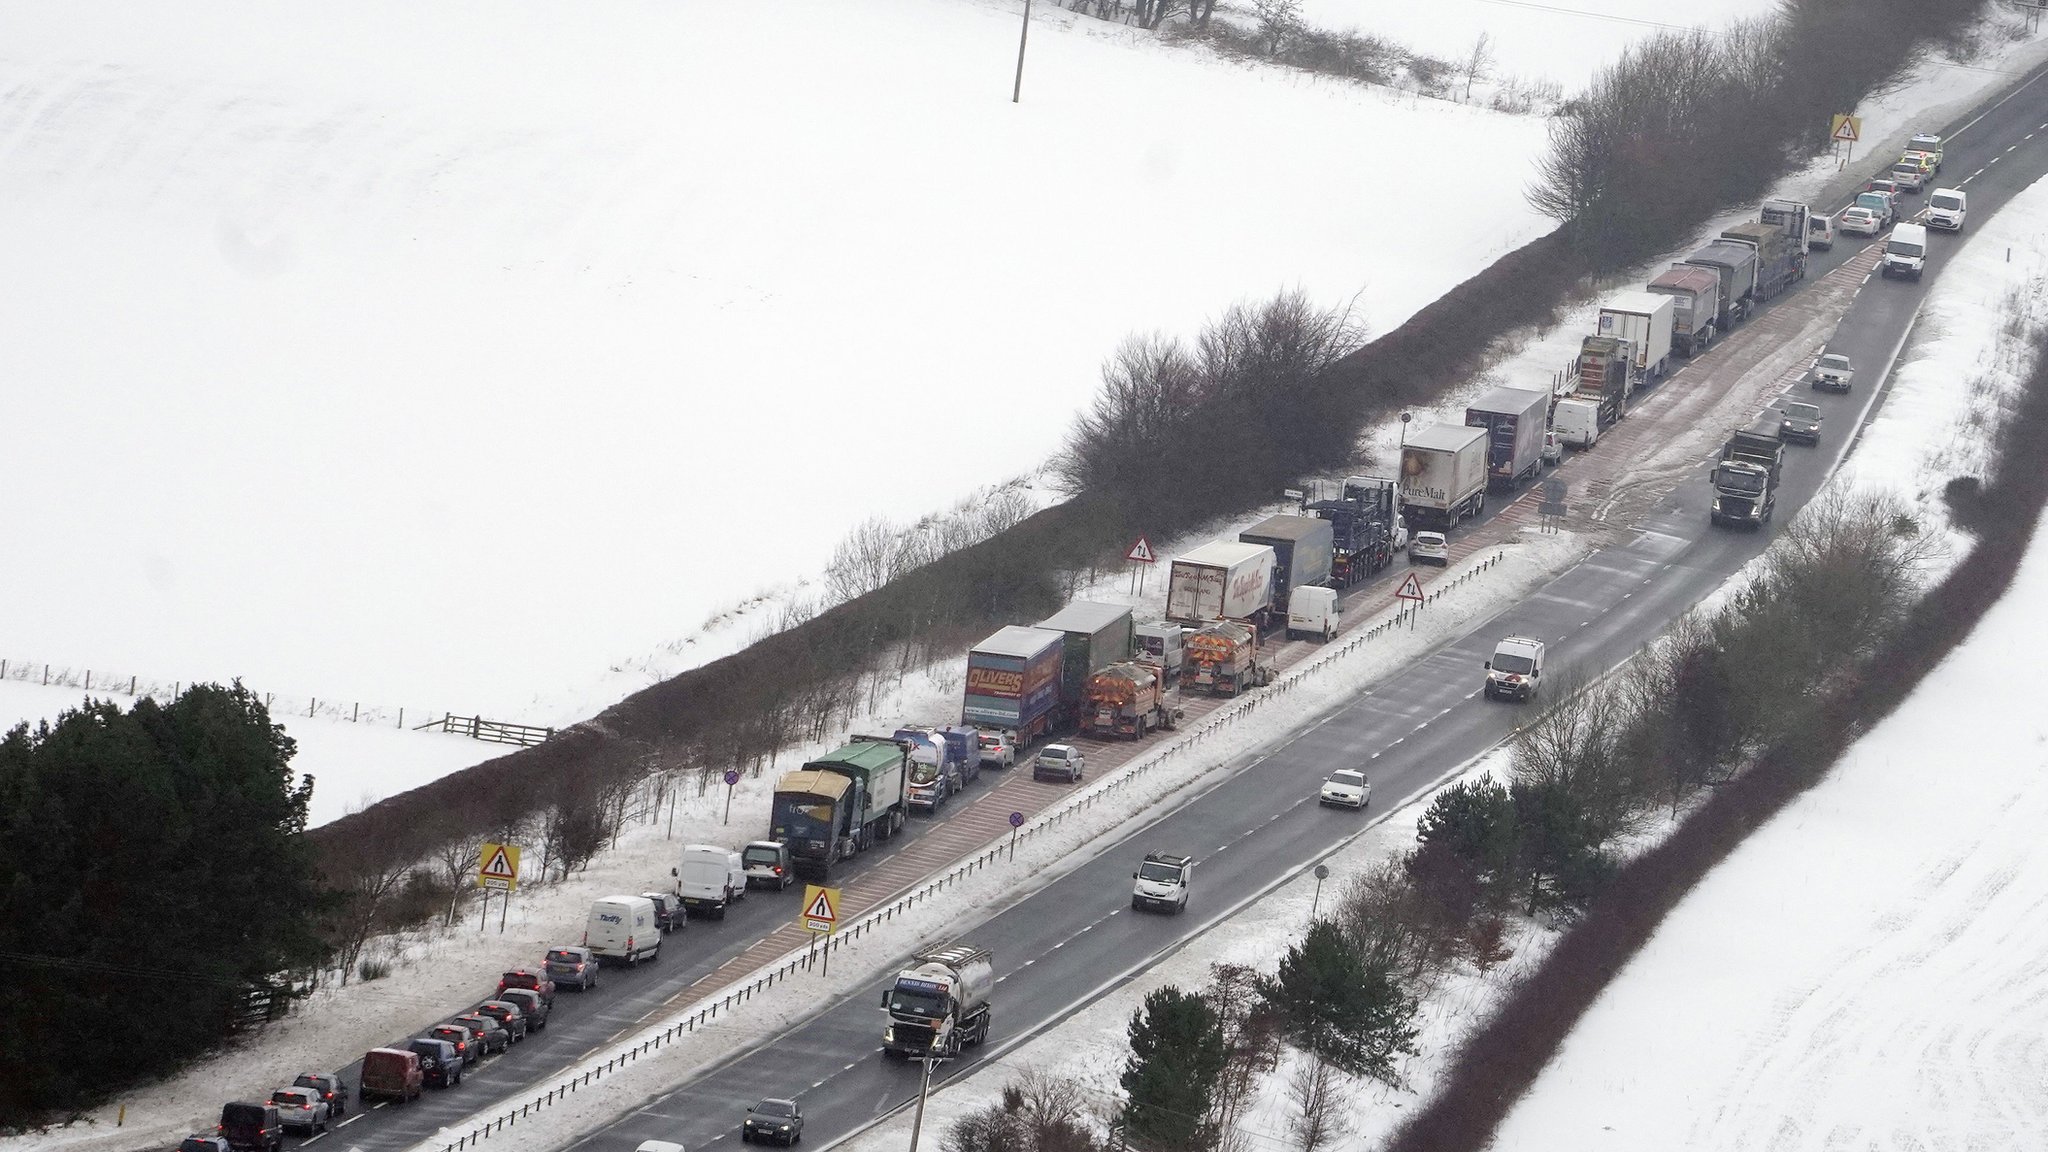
x=311, y=1139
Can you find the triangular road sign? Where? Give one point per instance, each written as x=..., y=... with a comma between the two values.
x=1141, y=552
x=821, y=907
x=1411, y=589
x=1847, y=129
x=498, y=866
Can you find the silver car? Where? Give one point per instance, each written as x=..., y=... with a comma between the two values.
x=1062, y=760
x=300, y=1108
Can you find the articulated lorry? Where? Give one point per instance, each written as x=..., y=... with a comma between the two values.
x=1443, y=476
x=941, y=1004
x=1096, y=636
x=1302, y=551
x=1365, y=526
x=1735, y=264
x=1793, y=218
x=1646, y=320
x=1126, y=699
x=1695, y=305
x=841, y=804
x=1221, y=580
x=1606, y=374
x=1013, y=681
x=1779, y=263
x=1515, y=420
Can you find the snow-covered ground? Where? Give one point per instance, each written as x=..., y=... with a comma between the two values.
x=445, y=353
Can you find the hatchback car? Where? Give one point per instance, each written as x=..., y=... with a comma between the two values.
x=1833, y=373
x=331, y=1089
x=494, y=1036
x=529, y=979
x=530, y=1005
x=1800, y=423
x=468, y=1044
x=1858, y=221
x=1429, y=548
x=300, y=1109
x=779, y=1121
x=995, y=749
x=574, y=965
x=668, y=910
x=1061, y=760
x=508, y=1016
x=1345, y=788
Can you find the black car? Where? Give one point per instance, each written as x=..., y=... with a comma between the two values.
x=440, y=1063
x=251, y=1125
x=487, y=1030
x=668, y=910
x=203, y=1144
x=468, y=1044
x=508, y=1015
x=531, y=1005
x=331, y=1089
x=776, y=1121
x=574, y=965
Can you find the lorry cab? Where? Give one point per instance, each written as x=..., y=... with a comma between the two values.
x=1314, y=613
x=1905, y=253
x=1164, y=646
x=709, y=878
x=1516, y=670
x=1162, y=881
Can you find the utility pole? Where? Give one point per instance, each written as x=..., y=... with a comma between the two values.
x=923, y=1090
x=1016, y=93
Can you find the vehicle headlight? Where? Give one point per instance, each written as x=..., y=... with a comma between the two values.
x=889, y=1034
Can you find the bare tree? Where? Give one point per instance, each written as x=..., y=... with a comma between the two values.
x=1277, y=20
x=1318, y=1116
x=457, y=857
x=368, y=872
x=1479, y=62
x=863, y=561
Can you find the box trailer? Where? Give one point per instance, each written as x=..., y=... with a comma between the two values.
x=1096, y=636
x=1013, y=681
x=1302, y=549
x=1221, y=580
x=1443, y=476
x=1515, y=420
x=1646, y=320
x=1695, y=305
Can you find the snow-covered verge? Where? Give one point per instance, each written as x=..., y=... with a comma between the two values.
x=437, y=971
x=1946, y=385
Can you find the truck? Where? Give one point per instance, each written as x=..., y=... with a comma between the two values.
x=1606, y=368
x=1013, y=681
x=1695, y=305
x=842, y=803
x=1366, y=529
x=1094, y=636
x=1744, y=494
x=1647, y=321
x=1778, y=263
x=1735, y=264
x=941, y=1003
x=1302, y=551
x=1127, y=699
x=1762, y=444
x=1515, y=420
x=1443, y=476
x=1223, y=659
x=940, y=766
x=1221, y=580
x=1793, y=218
x=1164, y=646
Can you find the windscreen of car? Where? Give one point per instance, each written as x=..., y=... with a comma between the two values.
x=1348, y=779
x=1158, y=873
x=559, y=956
x=1839, y=363
x=781, y=1109
x=1874, y=201
x=1513, y=664
x=1903, y=248
x=1946, y=203
x=288, y=1098
x=761, y=856
x=1803, y=411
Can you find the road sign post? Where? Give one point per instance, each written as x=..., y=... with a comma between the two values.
x=1411, y=591
x=1016, y=822
x=1141, y=553
x=732, y=777
x=1845, y=130
x=821, y=914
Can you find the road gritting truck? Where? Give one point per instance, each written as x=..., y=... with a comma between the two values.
x=841, y=804
x=1223, y=659
x=941, y=1003
x=1127, y=699
x=1096, y=636
x=1365, y=526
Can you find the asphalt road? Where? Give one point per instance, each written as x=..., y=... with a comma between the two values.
x=1059, y=948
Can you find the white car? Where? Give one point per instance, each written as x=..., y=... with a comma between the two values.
x=1858, y=221
x=1345, y=789
x=1429, y=548
x=1062, y=760
x=996, y=749
x=1833, y=373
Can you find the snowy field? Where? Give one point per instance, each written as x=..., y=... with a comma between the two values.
x=446, y=354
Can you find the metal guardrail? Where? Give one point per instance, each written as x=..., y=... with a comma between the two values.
x=804, y=959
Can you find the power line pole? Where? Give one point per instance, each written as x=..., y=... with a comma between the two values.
x=924, y=1089
x=1016, y=93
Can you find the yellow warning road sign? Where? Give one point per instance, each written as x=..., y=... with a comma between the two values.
x=498, y=867
x=1845, y=129
x=821, y=908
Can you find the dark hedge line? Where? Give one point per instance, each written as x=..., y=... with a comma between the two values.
x=1499, y=1062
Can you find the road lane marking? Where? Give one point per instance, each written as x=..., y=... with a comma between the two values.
x=351, y=1120
x=311, y=1139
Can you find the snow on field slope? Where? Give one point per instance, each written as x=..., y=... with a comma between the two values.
x=441, y=353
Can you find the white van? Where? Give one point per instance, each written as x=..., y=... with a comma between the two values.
x=1516, y=670
x=1163, y=645
x=709, y=878
x=622, y=928
x=1577, y=422
x=1820, y=232
x=1313, y=612
x=1946, y=208
x=1905, y=254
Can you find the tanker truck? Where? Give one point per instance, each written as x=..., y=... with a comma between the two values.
x=940, y=1004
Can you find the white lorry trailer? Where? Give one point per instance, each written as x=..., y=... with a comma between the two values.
x=941, y=1003
x=1645, y=319
x=1443, y=476
x=1221, y=580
